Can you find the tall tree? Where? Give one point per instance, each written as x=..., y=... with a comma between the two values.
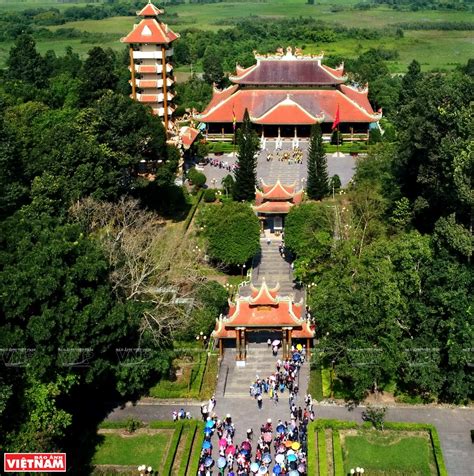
x=318, y=186
x=409, y=83
x=97, y=75
x=25, y=63
x=246, y=174
x=212, y=65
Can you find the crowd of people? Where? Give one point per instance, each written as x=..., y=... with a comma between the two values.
x=294, y=156
x=277, y=451
x=223, y=164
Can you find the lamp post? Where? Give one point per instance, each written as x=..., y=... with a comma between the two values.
x=242, y=270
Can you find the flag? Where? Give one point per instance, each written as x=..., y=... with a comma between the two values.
x=336, y=119
x=234, y=119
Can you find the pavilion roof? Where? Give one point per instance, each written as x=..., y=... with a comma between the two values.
x=273, y=207
x=278, y=191
x=315, y=103
x=264, y=308
x=149, y=10
x=188, y=135
x=287, y=111
x=151, y=31
x=264, y=296
x=288, y=70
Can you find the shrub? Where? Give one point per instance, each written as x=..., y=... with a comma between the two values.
x=209, y=195
x=197, y=178
x=132, y=424
x=375, y=415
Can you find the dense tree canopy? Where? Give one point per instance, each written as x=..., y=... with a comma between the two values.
x=232, y=231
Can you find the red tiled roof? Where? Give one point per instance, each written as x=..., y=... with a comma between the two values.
x=278, y=191
x=339, y=72
x=273, y=207
x=287, y=71
x=149, y=10
x=286, y=112
x=149, y=30
x=188, y=136
x=264, y=296
x=220, y=96
x=358, y=96
x=316, y=102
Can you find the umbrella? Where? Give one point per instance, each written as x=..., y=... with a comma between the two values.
x=291, y=458
x=208, y=462
x=254, y=467
x=302, y=468
x=241, y=459
x=221, y=463
x=279, y=458
x=280, y=429
x=281, y=449
x=210, y=424
x=230, y=450
x=246, y=446
x=296, y=356
x=266, y=458
x=290, y=452
x=293, y=473
x=277, y=469
x=206, y=445
x=262, y=470
x=293, y=465
x=295, y=446
x=207, y=431
x=244, y=452
x=299, y=347
x=223, y=442
x=267, y=437
x=288, y=443
x=275, y=343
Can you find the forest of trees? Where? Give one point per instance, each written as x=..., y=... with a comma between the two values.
x=389, y=264
x=83, y=251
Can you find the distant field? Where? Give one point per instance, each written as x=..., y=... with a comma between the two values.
x=433, y=49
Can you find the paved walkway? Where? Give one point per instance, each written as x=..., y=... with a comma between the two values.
x=270, y=171
x=453, y=424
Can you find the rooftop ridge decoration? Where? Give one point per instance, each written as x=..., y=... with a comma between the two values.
x=288, y=56
x=264, y=296
x=149, y=10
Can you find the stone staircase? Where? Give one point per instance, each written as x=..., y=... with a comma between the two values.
x=260, y=361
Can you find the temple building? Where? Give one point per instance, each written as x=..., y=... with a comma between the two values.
x=264, y=310
x=151, y=68
x=273, y=202
x=285, y=94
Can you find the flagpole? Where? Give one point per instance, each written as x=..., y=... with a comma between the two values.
x=337, y=140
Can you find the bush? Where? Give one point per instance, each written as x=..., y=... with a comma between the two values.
x=232, y=231
x=375, y=415
x=197, y=179
x=132, y=424
x=209, y=195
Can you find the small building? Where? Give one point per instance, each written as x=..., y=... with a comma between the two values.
x=264, y=310
x=287, y=93
x=151, y=66
x=273, y=202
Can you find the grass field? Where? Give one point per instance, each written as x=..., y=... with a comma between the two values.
x=133, y=450
x=389, y=453
x=434, y=49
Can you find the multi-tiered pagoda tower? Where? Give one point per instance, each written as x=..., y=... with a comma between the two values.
x=151, y=68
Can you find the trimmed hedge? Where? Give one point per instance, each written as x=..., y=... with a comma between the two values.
x=198, y=440
x=117, y=424
x=184, y=463
x=336, y=425
x=323, y=463
x=338, y=460
x=315, y=387
x=172, y=449
x=311, y=449
x=192, y=212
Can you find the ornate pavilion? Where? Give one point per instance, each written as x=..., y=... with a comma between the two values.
x=285, y=94
x=273, y=202
x=263, y=310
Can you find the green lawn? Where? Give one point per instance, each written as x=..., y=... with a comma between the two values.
x=133, y=450
x=389, y=453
